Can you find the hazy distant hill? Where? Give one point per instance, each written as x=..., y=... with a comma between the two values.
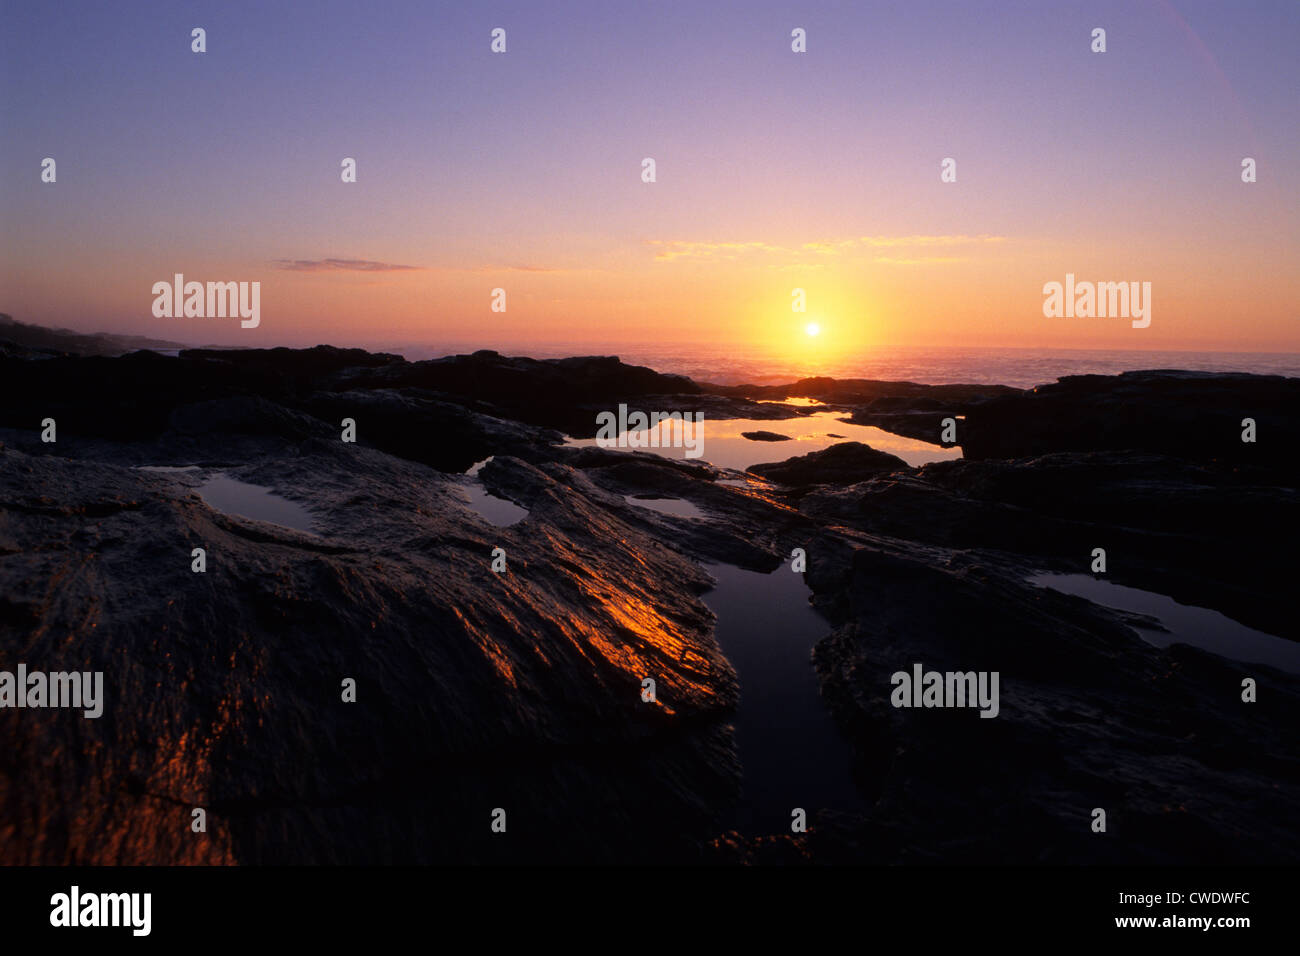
x=76, y=343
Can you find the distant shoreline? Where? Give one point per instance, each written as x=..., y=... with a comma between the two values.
x=1019, y=367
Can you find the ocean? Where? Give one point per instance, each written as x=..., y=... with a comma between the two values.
x=1022, y=368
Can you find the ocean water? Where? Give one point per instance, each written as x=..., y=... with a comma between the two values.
x=1022, y=368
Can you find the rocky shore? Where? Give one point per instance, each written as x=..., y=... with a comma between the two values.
x=521, y=688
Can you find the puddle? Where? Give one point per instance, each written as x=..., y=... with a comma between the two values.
x=791, y=751
x=164, y=469
x=667, y=506
x=1198, y=626
x=722, y=444
x=254, y=501
x=494, y=510
x=797, y=400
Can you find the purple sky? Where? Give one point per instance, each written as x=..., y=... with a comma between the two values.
x=775, y=170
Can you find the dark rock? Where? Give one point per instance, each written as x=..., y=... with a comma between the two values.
x=844, y=463
x=552, y=392
x=765, y=436
x=38, y=339
x=419, y=426
x=297, y=365
x=521, y=690
x=245, y=414
x=924, y=426
x=1194, y=415
x=1089, y=717
x=855, y=391
x=475, y=689
x=1189, y=530
x=130, y=398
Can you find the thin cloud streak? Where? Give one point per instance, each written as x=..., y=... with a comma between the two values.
x=342, y=265
x=669, y=250
x=916, y=260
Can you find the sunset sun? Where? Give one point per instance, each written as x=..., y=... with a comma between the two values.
x=812, y=328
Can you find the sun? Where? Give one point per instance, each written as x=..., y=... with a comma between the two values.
x=812, y=328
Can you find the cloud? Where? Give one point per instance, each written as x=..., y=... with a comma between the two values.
x=669, y=250
x=367, y=265
x=930, y=240
x=516, y=268
x=915, y=260
x=341, y=265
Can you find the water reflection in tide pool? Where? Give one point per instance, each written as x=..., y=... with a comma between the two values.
x=791, y=751
x=678, y=507
x=254, y=501
x=494, y=510
x=1198, y=626
x=721, y=443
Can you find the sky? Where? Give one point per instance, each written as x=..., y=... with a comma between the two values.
x=775, y=170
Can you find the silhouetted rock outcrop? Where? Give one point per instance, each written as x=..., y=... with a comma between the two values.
x=845, y=463
x=36, y=340
x=1187, y=414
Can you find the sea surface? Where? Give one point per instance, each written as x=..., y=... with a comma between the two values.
x=1022, y=368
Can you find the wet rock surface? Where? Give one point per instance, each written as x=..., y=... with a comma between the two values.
x=475, y=690
x=522, y=690
x=1089, y=718
x=1195, y=531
